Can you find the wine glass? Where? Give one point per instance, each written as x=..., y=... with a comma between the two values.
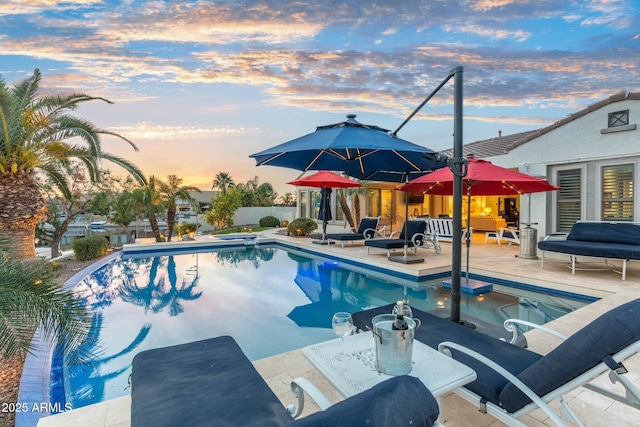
x=342, y=325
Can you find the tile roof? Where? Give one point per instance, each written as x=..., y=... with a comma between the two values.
x=490, y=147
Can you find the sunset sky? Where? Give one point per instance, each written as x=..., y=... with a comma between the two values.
x=201, y=85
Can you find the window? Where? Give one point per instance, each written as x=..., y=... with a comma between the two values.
x=569, y=203
x=302, y=203
x=619, y=118
x=380, y=203
x=374, y=203
x=339, y=212
x=316, y=199
x=617, y=192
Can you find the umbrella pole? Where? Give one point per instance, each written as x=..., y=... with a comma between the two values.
x=468, y=229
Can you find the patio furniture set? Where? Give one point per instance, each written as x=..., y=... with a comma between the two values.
x=212, y=381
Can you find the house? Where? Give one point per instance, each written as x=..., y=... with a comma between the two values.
x=593, y=155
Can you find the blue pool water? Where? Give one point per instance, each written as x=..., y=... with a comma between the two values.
x=269, y=298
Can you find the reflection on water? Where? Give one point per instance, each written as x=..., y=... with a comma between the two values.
x=269, y=299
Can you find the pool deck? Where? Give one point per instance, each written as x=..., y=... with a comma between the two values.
x=490, y=259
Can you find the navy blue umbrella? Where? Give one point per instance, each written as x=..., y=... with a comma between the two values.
x=361, y=151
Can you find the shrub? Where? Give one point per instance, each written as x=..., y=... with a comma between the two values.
x=301, y=227
x=88, y=248
x=284, y=224
x=185, y=228
x=269, y=221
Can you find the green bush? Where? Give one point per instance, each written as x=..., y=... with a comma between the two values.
x=88, y=248
x=269, y=221
x=301, y=227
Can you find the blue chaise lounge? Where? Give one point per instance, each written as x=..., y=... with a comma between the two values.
x=609, y=240
x=212, y=383
x=367, y=230
x=415, y=232
x=512, y=381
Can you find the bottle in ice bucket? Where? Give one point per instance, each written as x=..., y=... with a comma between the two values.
x=399, y=324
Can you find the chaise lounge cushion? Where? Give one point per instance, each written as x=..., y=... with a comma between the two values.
x=410, y=229
x=203, y=383
x=390, y=403
x=611, y=332
x=435, y=330
x=366, y=230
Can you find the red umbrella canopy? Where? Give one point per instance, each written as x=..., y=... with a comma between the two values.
x=483, y=179
x=325, y=179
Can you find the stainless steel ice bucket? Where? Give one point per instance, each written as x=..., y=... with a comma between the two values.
x=394, y=349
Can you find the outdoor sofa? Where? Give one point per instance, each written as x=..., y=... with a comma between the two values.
x=609, y=240
x=513, y=381
x=212, y=383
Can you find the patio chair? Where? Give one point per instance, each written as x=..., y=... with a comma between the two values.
x=508, y=389
x=212, y=382
x=513, y=381
x=415, y=232
x=511, y=235
x=368, y=229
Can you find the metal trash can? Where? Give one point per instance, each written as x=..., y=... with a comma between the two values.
x=528, y=242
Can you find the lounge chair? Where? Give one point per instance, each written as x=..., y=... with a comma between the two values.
x=511, y=235
x=211, y=382
x=513, y=381
x=414, y=230
x=368, y=229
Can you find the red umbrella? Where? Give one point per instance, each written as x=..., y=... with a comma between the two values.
x=326, y=181
x=482, y=178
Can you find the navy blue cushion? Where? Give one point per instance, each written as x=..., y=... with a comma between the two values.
x=626, y=234
x=594, y=249
x=414, y=227
x=367, y=223
x=399, y=401
x=203, y=383
x=605, y=336
x=435, y=330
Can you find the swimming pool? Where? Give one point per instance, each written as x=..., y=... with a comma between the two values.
x=271, y=299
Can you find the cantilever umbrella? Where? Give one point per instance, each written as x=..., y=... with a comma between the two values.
x=325, y=180
x=361, y=151
x=483, y=178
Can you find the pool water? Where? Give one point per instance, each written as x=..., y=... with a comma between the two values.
x=269, y=298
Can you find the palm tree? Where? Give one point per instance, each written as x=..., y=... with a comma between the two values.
x=223, y=181
x=171, y=191
x=31, y=297
x=145, y=200
x=35, y=138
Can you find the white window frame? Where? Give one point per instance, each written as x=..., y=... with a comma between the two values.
x=583, y=191
x=636, y=192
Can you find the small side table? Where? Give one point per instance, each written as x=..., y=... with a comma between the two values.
x=439, y=373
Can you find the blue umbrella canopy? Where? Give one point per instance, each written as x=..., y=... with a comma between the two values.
x=362, y=151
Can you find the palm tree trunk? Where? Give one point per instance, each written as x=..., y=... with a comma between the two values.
x=153, y=222
x=22, y=208
x=356, y=207
x=171, y=221
x=347, y=211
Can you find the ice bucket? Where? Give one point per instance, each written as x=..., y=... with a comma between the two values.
x=394, y=349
